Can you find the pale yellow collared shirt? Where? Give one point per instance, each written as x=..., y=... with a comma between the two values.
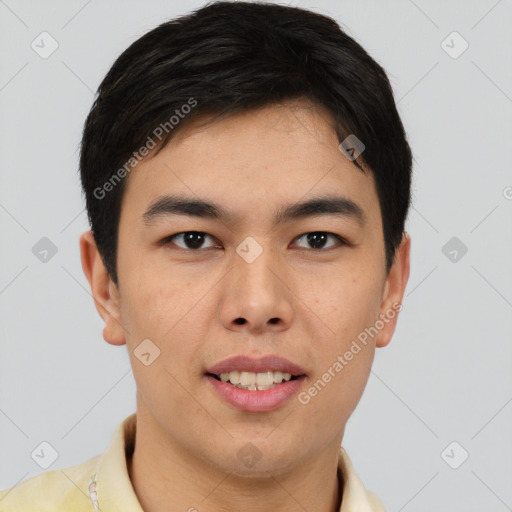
x=102, y=484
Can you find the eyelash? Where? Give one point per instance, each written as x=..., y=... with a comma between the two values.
x=343, y=242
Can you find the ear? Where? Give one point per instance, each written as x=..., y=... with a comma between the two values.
x=104, y=290
x=394, y=291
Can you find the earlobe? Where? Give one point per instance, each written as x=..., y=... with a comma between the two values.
x=394, y=291
x=104, y=291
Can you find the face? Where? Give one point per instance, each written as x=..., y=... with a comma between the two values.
x=306, y=286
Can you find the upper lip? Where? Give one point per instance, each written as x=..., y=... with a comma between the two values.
x=256, y=365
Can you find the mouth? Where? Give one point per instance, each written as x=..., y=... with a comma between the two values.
x=255, y=392
x=255, y=384
x=252, y=381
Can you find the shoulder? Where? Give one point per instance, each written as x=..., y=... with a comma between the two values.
x=355, y=494
x=59, y=490
x=375, y=503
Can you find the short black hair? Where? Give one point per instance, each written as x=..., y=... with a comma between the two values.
x=228, y=57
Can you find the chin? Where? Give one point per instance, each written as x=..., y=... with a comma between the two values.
x=251, y=460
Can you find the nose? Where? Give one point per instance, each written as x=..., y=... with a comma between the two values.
x=256, y=297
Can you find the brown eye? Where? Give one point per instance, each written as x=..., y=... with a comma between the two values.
x=317, y=239
x=191, y=240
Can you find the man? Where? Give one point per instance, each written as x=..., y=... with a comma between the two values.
x=247, y=180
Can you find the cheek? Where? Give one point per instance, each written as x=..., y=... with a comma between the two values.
x=343, y=309
x=155, y=298
x=343, y=304
x=342, y=372
x=331, y=397
x=161, y=313
x=173, y=312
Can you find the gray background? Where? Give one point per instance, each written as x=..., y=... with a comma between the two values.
x=446, y=376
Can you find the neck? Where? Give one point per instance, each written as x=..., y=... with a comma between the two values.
x=162, y=474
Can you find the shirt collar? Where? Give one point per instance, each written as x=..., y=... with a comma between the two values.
x=111, y=490
x=114, y=490
x=355, y=497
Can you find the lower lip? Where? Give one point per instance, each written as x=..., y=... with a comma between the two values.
x=257, y=401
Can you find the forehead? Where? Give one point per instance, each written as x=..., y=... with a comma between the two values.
x=252, y=163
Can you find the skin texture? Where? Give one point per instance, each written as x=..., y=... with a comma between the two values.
x=187, y=303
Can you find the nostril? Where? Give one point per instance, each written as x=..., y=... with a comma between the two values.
x=240, y=321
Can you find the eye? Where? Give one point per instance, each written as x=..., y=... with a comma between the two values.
x=192, y=240
x=318, y=238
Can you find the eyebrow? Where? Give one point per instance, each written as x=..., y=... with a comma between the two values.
x=166, y=206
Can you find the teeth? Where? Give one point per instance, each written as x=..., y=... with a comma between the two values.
x=265, y=379
x=255, y=381
x=247, y=378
